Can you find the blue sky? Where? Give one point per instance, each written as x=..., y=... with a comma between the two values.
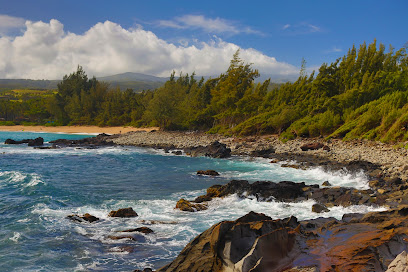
x=274, y=35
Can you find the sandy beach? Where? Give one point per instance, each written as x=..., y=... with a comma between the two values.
x=75, y=129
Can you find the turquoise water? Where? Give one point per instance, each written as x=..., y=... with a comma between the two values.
x=39, y=188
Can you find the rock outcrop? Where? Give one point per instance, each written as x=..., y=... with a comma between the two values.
x=188, y=206
x=256, y=242
x=31, y=142
x=214, y=150
x=125, y=212
x=91, y=142
x=289, y=191
x=207, y=173
x=86, y=217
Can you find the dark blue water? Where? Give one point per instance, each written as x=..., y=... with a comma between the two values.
x=39, y=188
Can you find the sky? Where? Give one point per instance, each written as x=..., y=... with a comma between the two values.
x=46, y=39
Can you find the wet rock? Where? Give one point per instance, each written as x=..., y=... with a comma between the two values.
x=86, y=217
x=177, y=152
x=91, y=142
x=294, y=166
x=319, y=208
x=207, y=173
x=311, y=146
x=31, y=142
x=188, y=206
x=326, y=183
x=214, y=150
x=144, y=230
x=126, y=212
x=36, y=142
x=144, y=270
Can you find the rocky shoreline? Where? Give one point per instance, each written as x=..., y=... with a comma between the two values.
x=256, y=242
x=390, y=159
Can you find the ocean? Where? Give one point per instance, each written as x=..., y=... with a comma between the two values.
x=40, y=188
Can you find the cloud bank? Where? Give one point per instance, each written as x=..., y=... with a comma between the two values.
x=217, y=25
x=46, y=51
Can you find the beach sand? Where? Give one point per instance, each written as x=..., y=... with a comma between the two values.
x=75, y=129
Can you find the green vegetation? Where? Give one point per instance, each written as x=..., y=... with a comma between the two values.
x=362, y=95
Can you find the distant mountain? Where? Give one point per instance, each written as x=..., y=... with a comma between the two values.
x=126, y=77
x=135, y=81
x=10, y=84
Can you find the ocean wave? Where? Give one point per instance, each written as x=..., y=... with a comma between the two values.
x=16, y=177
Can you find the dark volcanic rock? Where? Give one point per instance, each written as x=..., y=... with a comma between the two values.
x=319, y=208
x=36, y=142
x=126, y=212
x=214, y=150
x=86, y=217
x=144, y=230
x=91, y=142
x=207, y=173
x=255, y=242
x=264, y=153
x=31, y=142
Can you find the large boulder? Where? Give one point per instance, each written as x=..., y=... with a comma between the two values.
x=264, y=153
x=36, y=142
x=254, y=241
x=125, y=212
x=86, y=217
x=188, y=206
x=207, y=173
x=311, y=146
x=214, y=150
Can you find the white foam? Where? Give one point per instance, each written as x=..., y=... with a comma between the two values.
x=15, y=237
x=16, y=177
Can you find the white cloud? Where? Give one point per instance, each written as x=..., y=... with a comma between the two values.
x=301, y=28
x=286, y=26
x=217, y=25
x=334, y=49
x=9, y=23
x=46, y=51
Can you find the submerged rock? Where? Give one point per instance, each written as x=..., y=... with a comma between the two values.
x=144, y=230
x=125, y=212
x=207, y=173
x=86, y=217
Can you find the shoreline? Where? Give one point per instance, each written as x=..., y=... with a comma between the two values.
x=74, y=129
x=389, y=159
